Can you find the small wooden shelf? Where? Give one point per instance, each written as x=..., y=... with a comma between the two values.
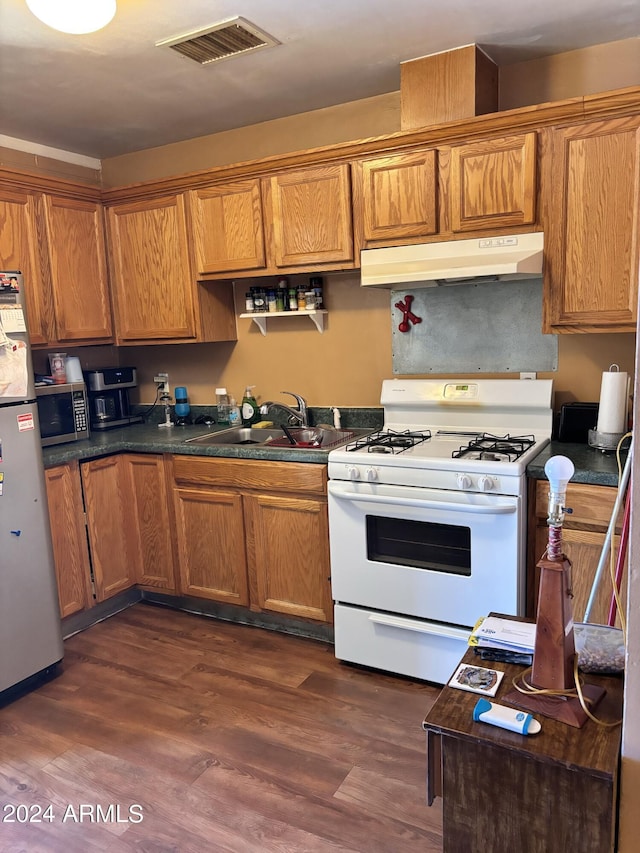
x=316, y=316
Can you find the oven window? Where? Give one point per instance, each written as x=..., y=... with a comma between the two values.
x=421, y=544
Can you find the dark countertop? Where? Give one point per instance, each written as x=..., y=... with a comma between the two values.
x=592, y=466
x=150, y=438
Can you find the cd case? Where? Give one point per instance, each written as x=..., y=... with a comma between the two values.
x=476, y=679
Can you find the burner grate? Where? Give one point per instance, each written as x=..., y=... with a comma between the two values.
x=390, y=441
x=496, y=447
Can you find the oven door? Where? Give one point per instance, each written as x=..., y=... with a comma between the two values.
x=445, y=556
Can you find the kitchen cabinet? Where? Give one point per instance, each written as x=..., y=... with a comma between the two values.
x=112, y=531
x=78, y=270
x=489, y=184
x=308, y=217
x=583, y=536
x=254, y=533
x=227, y=228
x=148, y=483
x=20, y=238
x=397, y=195
x=69, y=538
x=157, y=298
x=592, y=174
x=58, y=244
x=492, y=183
x=502, y=792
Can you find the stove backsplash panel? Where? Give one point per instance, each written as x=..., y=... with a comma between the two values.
x=488, y=327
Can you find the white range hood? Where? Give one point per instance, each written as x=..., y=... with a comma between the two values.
x=512, y=257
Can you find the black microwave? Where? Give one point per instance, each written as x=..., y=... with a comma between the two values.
x=63, y=413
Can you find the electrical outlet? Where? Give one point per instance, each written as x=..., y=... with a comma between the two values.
x=527, y=375
x=162, y=382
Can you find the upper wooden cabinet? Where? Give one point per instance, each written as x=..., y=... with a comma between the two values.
x=492, y=183
x=20, y=250
x=157, y=298
x=592, y=180
x=397, y=195
x=78, y=267
x=58, y=244
x=308, y=217
x=227, y=227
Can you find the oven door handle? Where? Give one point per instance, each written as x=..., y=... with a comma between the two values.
x=413, y=625
x=494, y=509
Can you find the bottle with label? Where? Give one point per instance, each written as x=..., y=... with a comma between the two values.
x=249, y=412
x=222, y=406
x=272, y=305
x=259, y=301
x=302, y=302
x=315, y=284
x=234, y=413
x=293, y=299
x=248, y=302
x=282, y=294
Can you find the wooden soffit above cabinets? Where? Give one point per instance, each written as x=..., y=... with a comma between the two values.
x=601, y=105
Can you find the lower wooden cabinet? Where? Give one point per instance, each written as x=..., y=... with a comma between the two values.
x=115, y=551
x=69, y=537
x=211, y=552
x=253, y=532
x=583, y=536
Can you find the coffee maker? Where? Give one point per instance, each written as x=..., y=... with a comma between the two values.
x=108, y=394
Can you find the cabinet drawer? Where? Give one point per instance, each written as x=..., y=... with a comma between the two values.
x=589, y=503
x=250, y=474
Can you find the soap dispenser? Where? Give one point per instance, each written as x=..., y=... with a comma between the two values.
x=249, y=407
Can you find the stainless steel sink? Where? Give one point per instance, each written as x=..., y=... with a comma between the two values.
x=313, y=438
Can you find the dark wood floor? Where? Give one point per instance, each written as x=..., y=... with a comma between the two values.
x=229, y=737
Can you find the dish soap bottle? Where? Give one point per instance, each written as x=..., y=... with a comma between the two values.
x=234, y=413
x=249, y=407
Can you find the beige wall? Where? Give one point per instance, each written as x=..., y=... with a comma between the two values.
x=376, y=116
x=567, y=75
x=345, y=365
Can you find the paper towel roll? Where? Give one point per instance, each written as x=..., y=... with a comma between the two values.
x=612, y=414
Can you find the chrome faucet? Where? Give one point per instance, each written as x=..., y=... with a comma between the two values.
x=299, y=415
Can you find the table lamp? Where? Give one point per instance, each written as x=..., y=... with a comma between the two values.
x=554, y=651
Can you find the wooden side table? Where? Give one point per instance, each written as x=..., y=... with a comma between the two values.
x=504, y=792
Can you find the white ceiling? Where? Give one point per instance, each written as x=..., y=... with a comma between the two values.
x=113, y=92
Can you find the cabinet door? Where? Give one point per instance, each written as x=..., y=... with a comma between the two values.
x=289, y=555
x=77, y=262
x=153, y=286
x=493, y=183
x=211, y=551
x=226, y=221
x=69, y=537
x=591, y=232
x=151, y=508
x=398, y=195
x=112, y=526
x=310, y=214
x=19, y=250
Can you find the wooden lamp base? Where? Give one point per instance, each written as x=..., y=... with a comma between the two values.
x=565, y=709
x=554, y=651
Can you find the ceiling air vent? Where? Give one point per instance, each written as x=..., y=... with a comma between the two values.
x=220, y=41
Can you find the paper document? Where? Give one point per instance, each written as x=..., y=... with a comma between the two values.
x=498, y=633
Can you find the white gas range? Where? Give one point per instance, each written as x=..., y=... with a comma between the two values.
x=427, y=520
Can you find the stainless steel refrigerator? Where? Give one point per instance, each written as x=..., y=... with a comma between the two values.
x=30, y=632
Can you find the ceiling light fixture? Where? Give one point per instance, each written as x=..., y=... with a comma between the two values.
x=74, y=16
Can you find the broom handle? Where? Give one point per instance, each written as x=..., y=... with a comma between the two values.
x=622, y=553
x=622, y=488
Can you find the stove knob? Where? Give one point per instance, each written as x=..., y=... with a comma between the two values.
x=485, y=483
x=353, y=472
x=372, y=474
x=464, y=481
